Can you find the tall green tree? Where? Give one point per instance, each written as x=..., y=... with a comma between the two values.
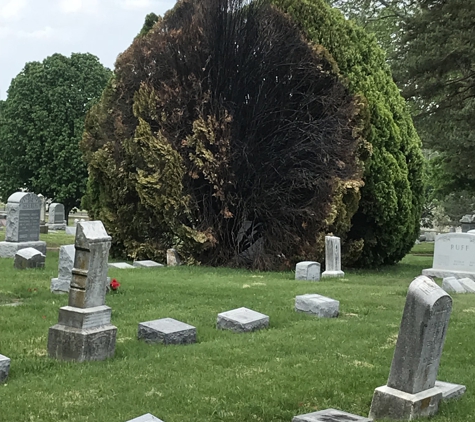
x=42, y=121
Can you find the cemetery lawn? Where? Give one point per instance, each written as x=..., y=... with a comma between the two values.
x=299, y=365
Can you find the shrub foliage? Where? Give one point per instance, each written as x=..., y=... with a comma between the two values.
x=224, y=134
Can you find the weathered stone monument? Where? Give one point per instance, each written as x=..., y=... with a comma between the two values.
x=321, y=306
x=56, y=219
x=242, y=320
x=307, y=270
x=61, y=283
x=4, y=368
x=23, y=225
x=28, y=258
x=43, y=226
x=172, y=258
x=454, y=256
x=84, y=331
x=332, y=257
x=410, y=391
x=166, y=331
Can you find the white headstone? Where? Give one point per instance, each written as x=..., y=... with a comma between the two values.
x=332, y=257
x=23, y=217
x=307, y=270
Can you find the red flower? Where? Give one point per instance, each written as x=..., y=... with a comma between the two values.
x=114, y=284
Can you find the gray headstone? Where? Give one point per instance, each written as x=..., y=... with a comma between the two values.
x=23, y=217
x=42, y=209
x=410, y=391
x=146, y=264
x=452, y=285
x=450, y=391
x=71, y=230
x=4, y=368
x=468, y=284
x=329, y=415
x=321, y=306
x=65, y=268
x=172, y=258
x=307, y=270
x=121, y=265
x=242, y=320
x=56, y=213
x=146, y=418
x=84, y=331
x=28, y=258
x=167, y=331
x=332, y=257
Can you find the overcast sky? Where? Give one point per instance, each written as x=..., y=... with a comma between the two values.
x=31, y=30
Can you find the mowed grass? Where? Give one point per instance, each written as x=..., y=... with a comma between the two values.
x=300, y=364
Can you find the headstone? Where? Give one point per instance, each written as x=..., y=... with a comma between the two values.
x=146, y=264
x=468, y=284
x=71, y=230
x=121, y=265
x=28, y=258
x=307, y=270
x=242, y=320
x=23, y=225
x=321, y=306
x=4, y=368
x=65, y=268
x=43, y=226
x=410, y=391
x=332, y=257
x=454, y=256
x=146, y=418
x=84, y=331
x=166, y=331
x=56, y=219
x=172, y=258
x=467, y=222
x=329, y=415
x=452, y=285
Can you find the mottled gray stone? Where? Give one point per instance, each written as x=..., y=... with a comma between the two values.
x=307, y=270
x=65, y=267
x=71, y=230
x=172, y=258
x=42, y=209
x=329, y=415
x=58, y=226
x=332, y=257
x=146, y=264
x=28, y=258
x=4, y=368
x=321, y=306
x=9, y=249
x=146, y=418
x=56, y=213
x=242, y=320
x=59, y=286
x=43, y=229
x=23, y=217
x=410, y=390
x=452, y=285
x=450, y=391
x=167, y=331
x=468, y=284
x=121, y=265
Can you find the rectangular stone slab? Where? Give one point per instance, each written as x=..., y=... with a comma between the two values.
x=450, y=391
x=242, y=320
x=167, y=331
x=121, y=265
x=330, y=415
x=147, y=264
x=321, y=306
x=468, y=284
x=85, y=318
x=452, y=285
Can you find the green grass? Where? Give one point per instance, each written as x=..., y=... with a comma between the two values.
x=423, y=248
x=54, y=239
x=299, y=365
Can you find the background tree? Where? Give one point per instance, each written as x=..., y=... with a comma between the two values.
x=387, y=220
x=224, y=134
x=41, y=125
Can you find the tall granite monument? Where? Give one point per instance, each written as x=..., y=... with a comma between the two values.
x=23, y=225
x=84, y=331
x=411, y=390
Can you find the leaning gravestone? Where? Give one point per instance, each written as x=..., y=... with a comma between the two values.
x=452, y=285
x=56, y=219
x=61, y=283
x=410, y=391
x=23, y=225
x=4, y=368
x=307, y=270
x=454, y=256
x=332, y=257
x=84, y=331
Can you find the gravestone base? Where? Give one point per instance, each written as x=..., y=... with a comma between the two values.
x=59, y=286
x=167, y=331
x=242, y=320
x=56, y=226
x=43, y=229
x=333, y=274
x=121, y=265
x=76, y=344
x=329, y=415
x=389, y=403
x=452, y=285
x=4, y=368
x=321, y=306
x=450, y=391
x=9, y=249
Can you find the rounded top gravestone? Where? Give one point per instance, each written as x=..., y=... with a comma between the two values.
x=23, y=217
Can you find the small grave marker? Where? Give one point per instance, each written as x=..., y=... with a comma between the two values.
x=28, y=258
x=167, y=331
x=4, y=368
x=242, y=320
x=307, y=270
x=332, y=257
x=321, y=306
